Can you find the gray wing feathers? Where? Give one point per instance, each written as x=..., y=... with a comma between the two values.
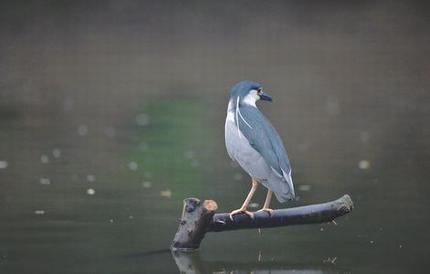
x=264, y=138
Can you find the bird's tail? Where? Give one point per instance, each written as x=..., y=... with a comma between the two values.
x=286, y=192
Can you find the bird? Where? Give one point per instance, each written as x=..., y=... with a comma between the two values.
x=253, y=142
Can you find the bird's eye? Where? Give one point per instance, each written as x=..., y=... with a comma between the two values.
x=259, y=91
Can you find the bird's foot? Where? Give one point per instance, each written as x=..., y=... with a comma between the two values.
x=241, y=211
x=267, y=210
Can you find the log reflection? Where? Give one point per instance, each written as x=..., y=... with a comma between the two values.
x=192, y=263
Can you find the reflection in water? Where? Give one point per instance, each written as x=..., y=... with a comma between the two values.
x=191, y=263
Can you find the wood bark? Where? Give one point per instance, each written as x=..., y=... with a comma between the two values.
x=199, y=217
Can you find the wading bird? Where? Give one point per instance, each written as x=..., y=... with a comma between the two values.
x=255, y=145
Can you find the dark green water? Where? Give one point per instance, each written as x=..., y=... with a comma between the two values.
x=111, y=113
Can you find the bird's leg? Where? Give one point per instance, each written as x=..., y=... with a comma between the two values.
x=245, y=204
x=266, y=206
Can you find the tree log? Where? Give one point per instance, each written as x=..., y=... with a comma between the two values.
x=199, y=218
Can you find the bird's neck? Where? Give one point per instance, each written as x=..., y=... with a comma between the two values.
x=236, y=102
x=249, y=100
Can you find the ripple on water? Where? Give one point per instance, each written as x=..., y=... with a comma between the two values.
x=133, y=166
x=91, y=191
x=142, y=119
x=91, y=178
x=363, y=164
x=44, y=159
x=3, y=164
x=146, y=184
x=166, y=193
x=82, y=130
x=56, y=153
x=45, y=181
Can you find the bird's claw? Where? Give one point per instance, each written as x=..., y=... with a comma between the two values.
x=241, y=211
x=267, y=210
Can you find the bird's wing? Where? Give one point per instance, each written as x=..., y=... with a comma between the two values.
x=264, y=138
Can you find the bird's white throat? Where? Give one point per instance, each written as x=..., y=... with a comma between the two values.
x=251, y=98
x=248, y=100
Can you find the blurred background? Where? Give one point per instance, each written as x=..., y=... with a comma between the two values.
x=112, y=112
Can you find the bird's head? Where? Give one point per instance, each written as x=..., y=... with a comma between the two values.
x=248, y=92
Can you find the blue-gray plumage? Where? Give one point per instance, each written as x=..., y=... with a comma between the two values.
x=253, y=142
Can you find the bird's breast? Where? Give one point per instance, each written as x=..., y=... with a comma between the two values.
x=237, y=144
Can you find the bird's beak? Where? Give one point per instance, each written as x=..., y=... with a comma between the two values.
x=265, y=97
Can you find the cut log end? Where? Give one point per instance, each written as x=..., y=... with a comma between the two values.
x=210, y=205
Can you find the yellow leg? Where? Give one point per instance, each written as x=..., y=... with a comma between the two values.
x=245, y=204
x=266, y=206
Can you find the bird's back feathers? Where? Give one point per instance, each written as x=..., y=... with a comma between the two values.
x=264, y=138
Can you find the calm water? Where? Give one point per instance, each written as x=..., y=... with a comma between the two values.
x=111, y=113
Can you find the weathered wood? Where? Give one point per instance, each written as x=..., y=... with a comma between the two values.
x=310, y=214
x=195, y=220
x=199, y=218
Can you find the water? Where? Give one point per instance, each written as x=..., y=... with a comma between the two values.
x=112, y=113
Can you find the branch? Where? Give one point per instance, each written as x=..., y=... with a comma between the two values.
x=199, y=218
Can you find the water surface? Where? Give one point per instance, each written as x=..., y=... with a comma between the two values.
x=111, y=113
